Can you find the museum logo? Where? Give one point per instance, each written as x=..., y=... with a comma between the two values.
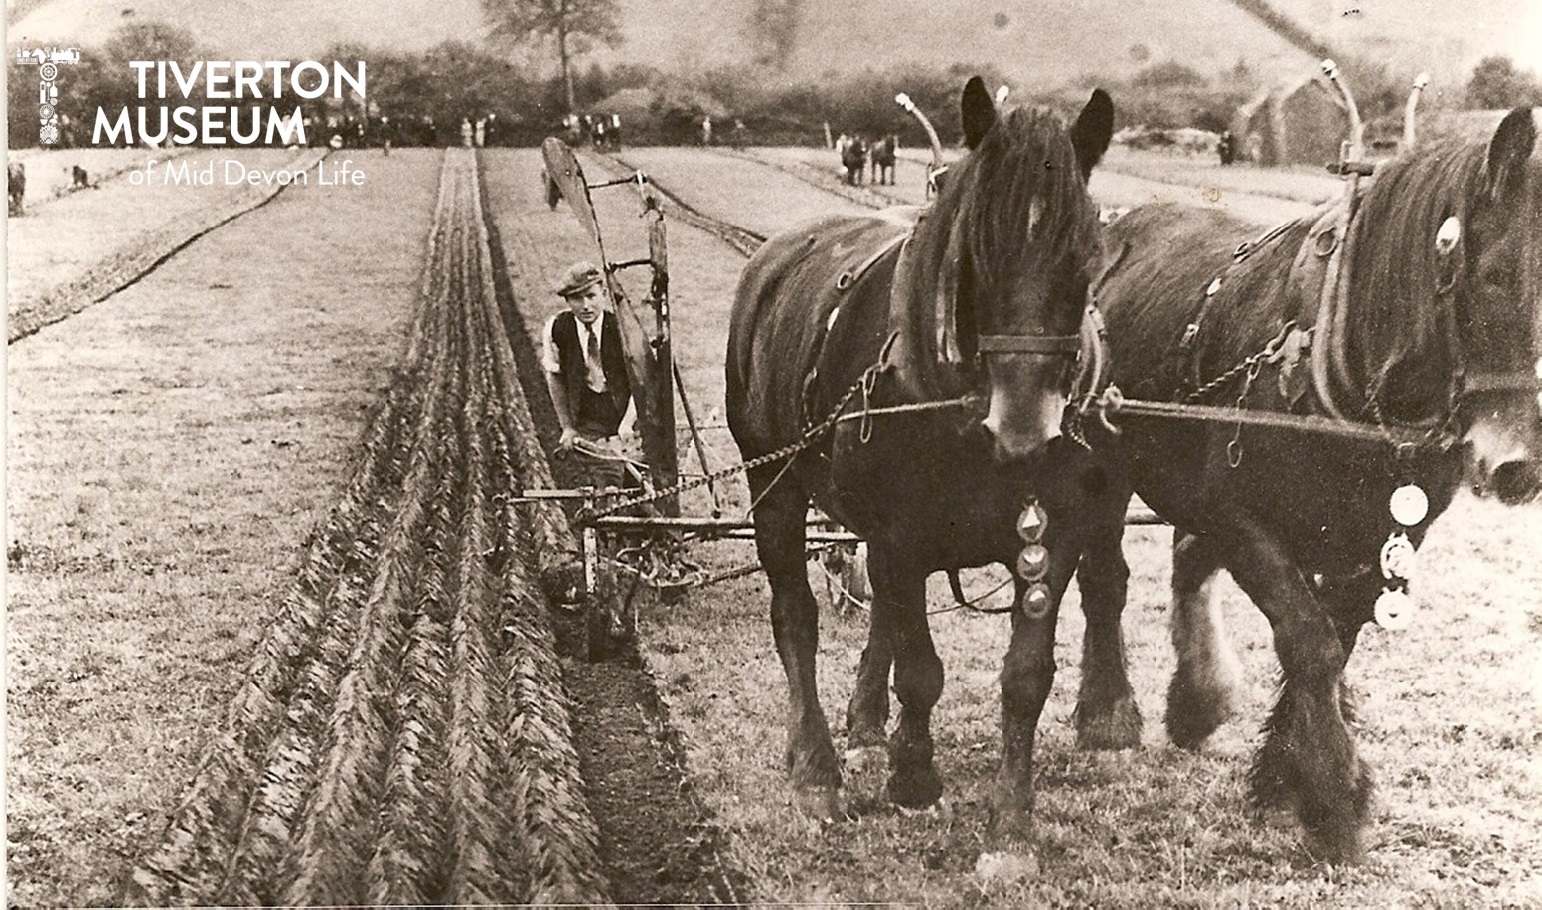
x=48, y=60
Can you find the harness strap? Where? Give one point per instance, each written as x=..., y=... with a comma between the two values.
x=845, y=280
x=1502, y=382
x=1188, y=345
x=1030, y=344
x=1328, y=361
x=957, y=586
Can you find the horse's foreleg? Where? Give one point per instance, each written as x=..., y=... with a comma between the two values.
x=1027, y=674
x=1351, y=601
x=899, y=608
x=1107, y=716
x=867, y=714
x=1307, y=754
x=779, y=542
x=1202, y=693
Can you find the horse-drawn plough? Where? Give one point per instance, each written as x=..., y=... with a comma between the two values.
x=1400, y=445
x=649, y=549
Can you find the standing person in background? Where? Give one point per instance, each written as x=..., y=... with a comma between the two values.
x=706, y=131
x=1226, y=148
x=586, y=377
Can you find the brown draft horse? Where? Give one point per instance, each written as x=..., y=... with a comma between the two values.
x=913, y=326
x=882, y=155
x=1439, y=334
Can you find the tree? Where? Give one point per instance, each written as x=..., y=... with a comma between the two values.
x=575, y=24
x=1496, y=83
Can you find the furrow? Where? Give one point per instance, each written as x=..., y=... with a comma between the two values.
x=336, y=838
x=207, y=828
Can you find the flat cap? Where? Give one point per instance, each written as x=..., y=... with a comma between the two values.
x=579, y=278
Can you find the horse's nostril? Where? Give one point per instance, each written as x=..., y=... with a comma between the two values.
x=1515, y=482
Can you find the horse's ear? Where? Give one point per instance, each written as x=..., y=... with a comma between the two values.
x=1092, y=131
x=979, y=111
x=1508, y=151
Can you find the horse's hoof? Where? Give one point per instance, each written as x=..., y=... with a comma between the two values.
x=1195, y=710
x=1338, y=849
x=866, y=761
x=1119, y=727
x=1006, y=868
x=914, y=789
x=819, y=803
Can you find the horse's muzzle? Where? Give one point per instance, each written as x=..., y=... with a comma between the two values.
x=1512, y=481
x=1026, y=404
x=1503, y=459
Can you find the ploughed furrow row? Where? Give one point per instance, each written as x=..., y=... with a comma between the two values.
x=558, y=834
x=132, y=261
x=244, y=789
x=740, y=238
x=480, y=825
x=402, y=734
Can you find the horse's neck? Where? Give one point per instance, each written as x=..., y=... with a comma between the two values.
x=924, y=356
x=1399, y=342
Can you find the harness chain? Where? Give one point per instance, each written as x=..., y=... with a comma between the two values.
x=1249, y=365
x=792, y=448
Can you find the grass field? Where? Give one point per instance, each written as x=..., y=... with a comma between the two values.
x=169, y=449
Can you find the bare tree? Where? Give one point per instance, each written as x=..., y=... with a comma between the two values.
x=575, y=24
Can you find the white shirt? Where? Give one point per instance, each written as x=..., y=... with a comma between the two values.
x=553, y=364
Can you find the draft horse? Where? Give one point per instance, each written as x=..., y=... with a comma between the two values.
x=898, y=369
x=854, y=160
x=1430, y=343
x=882, y=155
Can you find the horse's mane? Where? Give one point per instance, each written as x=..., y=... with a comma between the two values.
x=1015, y=210
x=1396, y=273
x=1021, y=202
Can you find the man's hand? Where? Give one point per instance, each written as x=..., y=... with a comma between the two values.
x=569, y=437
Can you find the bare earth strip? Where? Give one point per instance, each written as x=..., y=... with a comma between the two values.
x=69, y=257
x=168, y=450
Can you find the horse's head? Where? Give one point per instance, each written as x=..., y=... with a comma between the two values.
x=1495, y=273
x=1464, y=259
x=1502, y=262
x=1020, y=238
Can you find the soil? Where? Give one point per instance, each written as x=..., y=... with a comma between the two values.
x=657, y=843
